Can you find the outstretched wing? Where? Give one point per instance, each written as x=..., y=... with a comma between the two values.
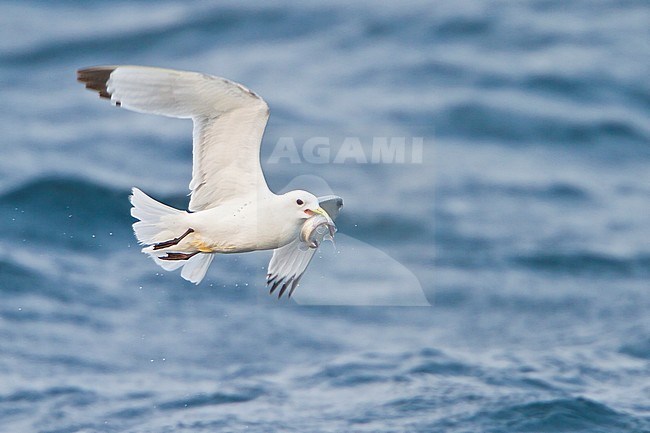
x=289, y=262
x=229, y=122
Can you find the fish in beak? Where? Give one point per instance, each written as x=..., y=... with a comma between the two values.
x=317, y=227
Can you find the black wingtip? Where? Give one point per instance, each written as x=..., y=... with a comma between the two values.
x=95, y=78
x=285, y=284
x=274, y=286
x=284, y=288
x=293, y=286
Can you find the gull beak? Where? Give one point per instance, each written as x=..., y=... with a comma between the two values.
x=319, y=211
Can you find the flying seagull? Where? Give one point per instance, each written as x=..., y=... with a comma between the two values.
x=231, y=208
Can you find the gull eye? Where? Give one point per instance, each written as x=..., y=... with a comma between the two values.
x=299, y=202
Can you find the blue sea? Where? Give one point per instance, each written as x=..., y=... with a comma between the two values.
x=496, y=281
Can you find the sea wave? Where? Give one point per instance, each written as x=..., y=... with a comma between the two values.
x=587, y=263
x=562, y=415
x=525, y=225
x=77, y=208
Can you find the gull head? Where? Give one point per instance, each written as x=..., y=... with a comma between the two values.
x=303, y=204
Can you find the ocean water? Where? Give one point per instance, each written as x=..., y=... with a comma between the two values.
x=524, y=229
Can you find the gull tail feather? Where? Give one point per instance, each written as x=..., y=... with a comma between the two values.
x=195, y=268
x=160, y=223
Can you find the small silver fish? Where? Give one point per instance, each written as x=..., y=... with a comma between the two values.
x=315, y=229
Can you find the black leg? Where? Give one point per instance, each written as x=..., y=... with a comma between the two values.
x=175, y=241
x=179, y=256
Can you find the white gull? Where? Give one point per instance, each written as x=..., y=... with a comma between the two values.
x=231, y=209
